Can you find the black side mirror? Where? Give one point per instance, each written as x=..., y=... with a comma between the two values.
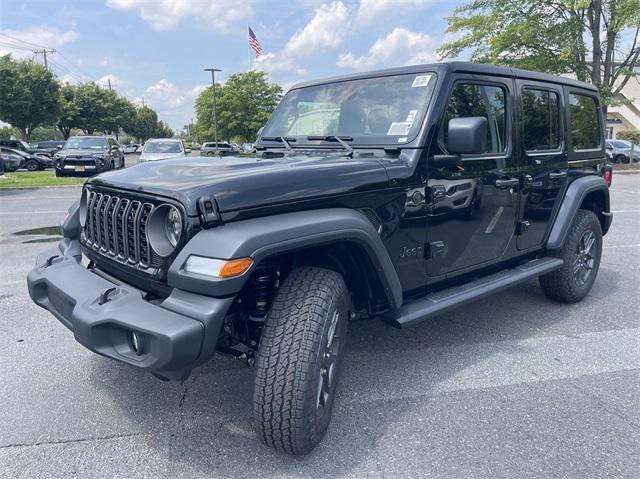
x=467, y=135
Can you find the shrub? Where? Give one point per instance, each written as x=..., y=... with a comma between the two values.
x=629, y=135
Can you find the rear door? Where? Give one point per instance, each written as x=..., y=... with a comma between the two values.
x=472, y=207
x=543, y=152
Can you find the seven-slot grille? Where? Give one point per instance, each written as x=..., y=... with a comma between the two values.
x=116, y=228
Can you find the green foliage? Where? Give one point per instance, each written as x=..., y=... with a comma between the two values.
x=629, y=135
x=7, y=132
x=29, y=95
x=243, y=104
x=580, y=37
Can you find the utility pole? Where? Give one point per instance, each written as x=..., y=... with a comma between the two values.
x=44, y=52
x=142, y=101
x=109, y=82
x=213, y=91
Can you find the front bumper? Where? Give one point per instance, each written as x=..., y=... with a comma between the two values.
x=180, y=332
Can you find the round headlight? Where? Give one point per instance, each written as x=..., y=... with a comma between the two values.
x=173, y=226
x=84, y=203
x=164, y=229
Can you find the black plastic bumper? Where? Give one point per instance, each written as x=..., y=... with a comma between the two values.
x=178, y=333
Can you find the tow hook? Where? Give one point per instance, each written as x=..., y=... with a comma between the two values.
x=104, y=297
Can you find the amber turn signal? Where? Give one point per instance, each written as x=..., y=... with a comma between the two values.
x=235, y=267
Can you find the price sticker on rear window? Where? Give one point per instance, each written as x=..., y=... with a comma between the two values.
x=420, y=81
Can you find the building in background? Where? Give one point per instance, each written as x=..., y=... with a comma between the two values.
x=626, y=115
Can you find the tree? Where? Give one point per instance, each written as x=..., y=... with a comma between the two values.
x=580, y=37
x=29, y=95
x=69, y=110
x=630, y=135
x=243, y=105
x=145, y=123
x=162, y=130
x=7, y=132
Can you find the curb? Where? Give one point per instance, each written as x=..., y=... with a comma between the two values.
x=626, y=172
x=9, y=188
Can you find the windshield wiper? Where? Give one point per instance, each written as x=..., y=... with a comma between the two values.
x=339, y=139
x=282, y=139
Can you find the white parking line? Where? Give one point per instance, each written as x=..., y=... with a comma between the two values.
x=625, y=191
x=625, y=211
x=24, y=213
x=622, y=246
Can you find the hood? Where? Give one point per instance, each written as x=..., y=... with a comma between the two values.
x=160, y=156
x=240, y=183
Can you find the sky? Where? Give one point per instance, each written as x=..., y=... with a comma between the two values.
x=157, y=49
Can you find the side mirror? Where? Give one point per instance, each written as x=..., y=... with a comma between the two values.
x=187, y=151
x=467, y=135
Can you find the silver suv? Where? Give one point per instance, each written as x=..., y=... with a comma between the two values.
x=224, y=149
x=619, y=151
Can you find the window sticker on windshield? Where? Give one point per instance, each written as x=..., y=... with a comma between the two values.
x=411, y=116
x=422, y=80
x=399, y=128
x=402, y=139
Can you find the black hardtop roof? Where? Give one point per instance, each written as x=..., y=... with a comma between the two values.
x=457, y=67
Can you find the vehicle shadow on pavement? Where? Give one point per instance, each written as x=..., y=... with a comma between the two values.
x=204, y=427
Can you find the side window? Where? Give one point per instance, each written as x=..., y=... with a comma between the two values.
x=541, y=119
x=468, y=99
x=585, y=124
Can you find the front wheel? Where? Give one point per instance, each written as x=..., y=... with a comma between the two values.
x=299, y=359
x=581, y=254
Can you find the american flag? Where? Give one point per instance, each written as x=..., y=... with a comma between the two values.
x=254, y=43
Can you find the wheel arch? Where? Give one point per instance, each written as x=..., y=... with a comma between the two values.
x=589, y=192
x=338, y=238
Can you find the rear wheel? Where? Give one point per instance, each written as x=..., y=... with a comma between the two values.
x=581, y=254
x=299, y=359
x=620, y=159
x=32, y=165
x=59, y=173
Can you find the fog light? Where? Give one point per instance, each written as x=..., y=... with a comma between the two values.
x=137, y=343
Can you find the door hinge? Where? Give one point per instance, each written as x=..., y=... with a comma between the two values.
x=522, y=227
x=435, y=250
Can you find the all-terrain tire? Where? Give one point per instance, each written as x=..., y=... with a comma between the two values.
x=565, y=284
x=291, y=406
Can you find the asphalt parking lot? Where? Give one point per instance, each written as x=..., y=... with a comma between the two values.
x=515, y=386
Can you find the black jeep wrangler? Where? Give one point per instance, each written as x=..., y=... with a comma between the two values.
x=397, y=195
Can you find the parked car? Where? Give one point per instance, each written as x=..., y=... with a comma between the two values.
x=17, y=145
x=88, y=155
x=619, y=151
x=268, y=259
x=31, y=162
x=162, y=149
x=224, y=149
x=49, y=147
x=131, y=148
x=10, y=161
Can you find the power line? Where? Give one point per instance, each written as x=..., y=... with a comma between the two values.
x=44, y=52
x=33, y=45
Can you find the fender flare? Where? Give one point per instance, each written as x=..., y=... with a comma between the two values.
x=260, y=238
x=573, y=198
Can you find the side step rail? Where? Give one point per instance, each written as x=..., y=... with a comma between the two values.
x=442, y=301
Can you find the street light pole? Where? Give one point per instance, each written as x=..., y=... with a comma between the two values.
x=215, y=119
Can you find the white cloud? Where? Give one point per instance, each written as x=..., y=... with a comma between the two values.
x=21, y=43
x=400, y=47
x=172, y=103
x=327, y=30
x=376, y=11
x=164, y=15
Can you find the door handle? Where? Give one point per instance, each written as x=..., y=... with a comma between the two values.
x=507, y=183
x=556, y=175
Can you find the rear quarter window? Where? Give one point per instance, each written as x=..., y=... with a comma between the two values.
x=585, y=122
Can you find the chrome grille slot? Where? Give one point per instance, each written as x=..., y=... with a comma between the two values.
x=116, y=227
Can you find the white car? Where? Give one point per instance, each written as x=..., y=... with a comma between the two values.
x=163, y=149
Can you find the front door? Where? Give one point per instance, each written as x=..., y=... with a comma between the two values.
x=543, y=168
x=472, y=206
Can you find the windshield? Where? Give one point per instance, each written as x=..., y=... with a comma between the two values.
x=86, y=143
x=379, y=110
x=162, y=147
